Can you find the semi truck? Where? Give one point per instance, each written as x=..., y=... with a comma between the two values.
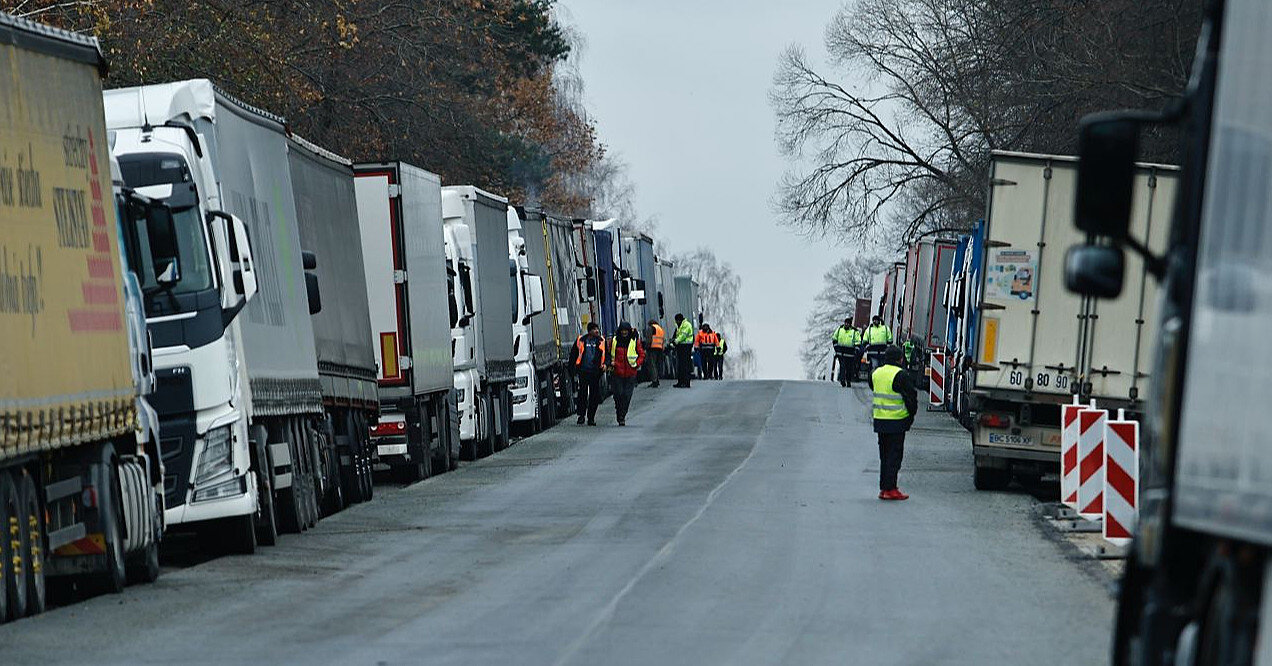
x=419, y=307
x=476, y=225
x=963, y=296
x=533, y=346
x=1038, y=346
x=239, y=395
x=928, y=265
x=1195, y=587
x=327, y=210
x=566, y=298
x=81, y=477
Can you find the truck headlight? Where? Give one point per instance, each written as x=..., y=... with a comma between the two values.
x=459, y=395
x=230, y=488
x=217, y=456
x=521, y=382
x=518, y=399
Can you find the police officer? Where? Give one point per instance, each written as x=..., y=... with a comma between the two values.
x=657, y=341
x=684, y=351
x=845, y=340
x=877, y=338
x=896, y=401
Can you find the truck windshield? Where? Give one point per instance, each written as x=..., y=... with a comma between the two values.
x=189, y=247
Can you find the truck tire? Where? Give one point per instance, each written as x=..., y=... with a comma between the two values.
x=31, y=521
x=143, y=567
x=990, y=478
x=288, y=504
x=8, y=522
x=114, y=576
x=266, y=519
x=441, y=416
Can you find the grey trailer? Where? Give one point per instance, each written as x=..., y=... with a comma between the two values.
x=407, y=293
x=327, y=212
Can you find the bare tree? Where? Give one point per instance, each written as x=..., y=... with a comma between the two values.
x=719, y=288
x=842, y=285
x=938, y=84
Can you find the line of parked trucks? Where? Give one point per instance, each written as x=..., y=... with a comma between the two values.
x=1017, y=344
x=214, y=325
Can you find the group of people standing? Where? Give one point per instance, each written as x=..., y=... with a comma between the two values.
x=850, y=343
x=625, y=354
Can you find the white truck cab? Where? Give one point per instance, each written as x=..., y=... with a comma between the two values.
x=529, y=302
x=192, y=320
x=459, y=262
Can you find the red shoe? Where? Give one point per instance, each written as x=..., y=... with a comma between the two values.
x=883, y=494
x=898, y=495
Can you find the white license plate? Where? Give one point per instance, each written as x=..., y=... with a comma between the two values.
x=1025, y=440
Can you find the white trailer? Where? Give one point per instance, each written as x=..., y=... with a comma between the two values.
x=1037, y=344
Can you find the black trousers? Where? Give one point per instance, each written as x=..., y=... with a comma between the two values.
x=846, y=358
x=623, y=388
x=589, y=393
x=684, y=363
x=718, y=364
x=891, y=450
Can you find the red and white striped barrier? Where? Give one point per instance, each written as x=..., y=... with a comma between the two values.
x=936, y=378
x=1121, y=478
x=1069, y=453
x=1091, y=463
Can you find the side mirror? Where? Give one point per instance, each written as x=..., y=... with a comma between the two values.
x=534, y=286
x=1095, y=270
x=311, y=290
x=1107, y=147
x=309, y=260
x=233, y=249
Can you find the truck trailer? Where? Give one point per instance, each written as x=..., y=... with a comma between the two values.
x=1038, y=346
x=411, y=299
x=928, y=265
x=477, y=231
x=1195, y=587
x=240, y=396
x=80, y=471
x=327, y=210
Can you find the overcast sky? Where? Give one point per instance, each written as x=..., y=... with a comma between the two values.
x=680, y=90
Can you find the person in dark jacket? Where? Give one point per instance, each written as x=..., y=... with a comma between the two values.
x=896, y=401
x=587, y=357
x=627, y=354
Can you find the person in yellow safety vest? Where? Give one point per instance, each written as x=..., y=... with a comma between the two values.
x=877, y=337
x=657, y=342
x=627, y=355
x=684, y=351
x=846, y=340
x=896, y=401
x=721, y=347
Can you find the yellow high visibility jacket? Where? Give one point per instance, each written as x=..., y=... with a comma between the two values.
x=684, y=333
x=888, y=404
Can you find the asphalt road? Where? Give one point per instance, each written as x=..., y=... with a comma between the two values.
x=732, y=523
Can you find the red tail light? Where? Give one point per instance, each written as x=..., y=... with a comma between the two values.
x=388, y=428
x=994, y=421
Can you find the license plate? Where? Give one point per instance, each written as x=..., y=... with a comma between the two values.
x=1011, y=439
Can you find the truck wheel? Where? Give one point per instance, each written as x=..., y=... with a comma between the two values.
x=990, y=478
x=113, y=579
x=31, y=521
x=144, y=566
x=8, y=535
x=288, y=505
x=266, y=520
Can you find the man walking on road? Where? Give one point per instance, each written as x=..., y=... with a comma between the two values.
x=657, y=341
x=588, y=360
x=684, y=351
x=627, y=354
x=896, y=401
x=721, y=348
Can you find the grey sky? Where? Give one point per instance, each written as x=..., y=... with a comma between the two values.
x=680, y=90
